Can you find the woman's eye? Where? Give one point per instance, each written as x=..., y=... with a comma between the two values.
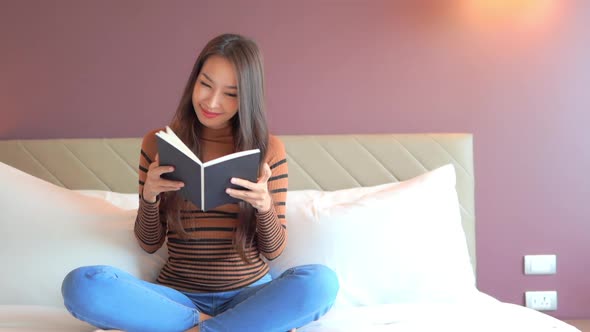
x=205, y=84
x=233, y=95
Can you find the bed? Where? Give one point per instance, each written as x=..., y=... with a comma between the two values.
x=405, y=200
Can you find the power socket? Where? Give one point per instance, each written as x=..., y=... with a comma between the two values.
x=542, y=301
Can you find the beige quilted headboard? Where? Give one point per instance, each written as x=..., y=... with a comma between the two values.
x=326, y=162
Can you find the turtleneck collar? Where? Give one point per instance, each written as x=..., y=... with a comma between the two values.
x=221, y=135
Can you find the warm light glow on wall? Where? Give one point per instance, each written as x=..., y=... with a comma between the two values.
x=519, y=14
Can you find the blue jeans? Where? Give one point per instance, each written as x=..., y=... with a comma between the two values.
x=109, y=298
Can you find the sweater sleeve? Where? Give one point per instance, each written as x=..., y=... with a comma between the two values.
x=150, y=226
x=272, y=225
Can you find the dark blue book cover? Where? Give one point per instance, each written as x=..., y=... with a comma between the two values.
x=205, y=183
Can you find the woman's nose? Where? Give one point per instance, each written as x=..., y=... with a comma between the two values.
x=213, y=100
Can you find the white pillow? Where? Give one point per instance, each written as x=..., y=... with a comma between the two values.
x=394, y=243
x=47, y=231
x=121, y=200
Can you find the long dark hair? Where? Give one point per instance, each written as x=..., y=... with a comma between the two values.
x=249, y=127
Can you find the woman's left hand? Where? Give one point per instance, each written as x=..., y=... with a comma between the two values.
x=257, y=195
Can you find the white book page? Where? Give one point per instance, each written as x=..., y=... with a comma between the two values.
x=170, y=137
x=230, y=156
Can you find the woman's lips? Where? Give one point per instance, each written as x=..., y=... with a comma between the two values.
x=209, y=114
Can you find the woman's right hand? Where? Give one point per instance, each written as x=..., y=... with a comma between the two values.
x=154, y=184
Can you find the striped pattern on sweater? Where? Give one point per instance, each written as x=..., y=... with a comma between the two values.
x=206, y=261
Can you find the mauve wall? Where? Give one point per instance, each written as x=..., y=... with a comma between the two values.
x=515, y=76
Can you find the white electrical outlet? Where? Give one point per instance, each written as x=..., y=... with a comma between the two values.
x=542, y=301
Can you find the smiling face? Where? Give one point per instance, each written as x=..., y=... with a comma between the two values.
x=215, y=95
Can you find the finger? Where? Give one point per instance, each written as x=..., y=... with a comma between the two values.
x=158, y=171
x=169, y=188
x=167, y=184
x=170, y=183
x=249, y=197
x=243, y=183
x=266, y=173
x=154, y=163
x=244, y=195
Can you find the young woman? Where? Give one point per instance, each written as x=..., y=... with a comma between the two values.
x=215, y=266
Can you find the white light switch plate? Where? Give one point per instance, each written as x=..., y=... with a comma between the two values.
x=540, y=264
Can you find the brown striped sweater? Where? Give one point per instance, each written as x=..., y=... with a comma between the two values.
x=207, y=260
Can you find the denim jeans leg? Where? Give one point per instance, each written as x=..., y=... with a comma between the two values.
x=299, y=296
x=107, y=297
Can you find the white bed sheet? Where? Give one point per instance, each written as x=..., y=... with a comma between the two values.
x=480, y=314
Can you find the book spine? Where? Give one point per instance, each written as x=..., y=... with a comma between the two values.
x=202, y=187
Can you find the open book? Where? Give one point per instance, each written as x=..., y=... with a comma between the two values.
x=205, y=183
